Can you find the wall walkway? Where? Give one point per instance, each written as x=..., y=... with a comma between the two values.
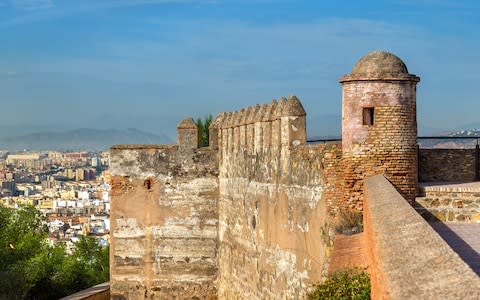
x=463, y=239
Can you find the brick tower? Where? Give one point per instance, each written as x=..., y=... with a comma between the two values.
x=379, y=125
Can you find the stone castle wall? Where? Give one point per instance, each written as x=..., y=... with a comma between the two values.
x=248, y=217
x=164, y=221
x=245, y=217
x=454, y=165
x=274, y=191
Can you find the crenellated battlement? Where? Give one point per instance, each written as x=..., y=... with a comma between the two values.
x=269, y=130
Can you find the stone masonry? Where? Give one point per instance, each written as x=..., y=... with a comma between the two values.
x=164, y=220
x=273, y=196
x=458, y=203
x=240, y=218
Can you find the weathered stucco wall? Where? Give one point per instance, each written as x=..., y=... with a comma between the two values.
x=454, y=165
x=273, y=199
x=164, y=220
x=407, y=258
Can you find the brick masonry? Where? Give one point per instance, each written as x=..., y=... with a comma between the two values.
x=349, y=251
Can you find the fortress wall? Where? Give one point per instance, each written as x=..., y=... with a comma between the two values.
x=455, y=165
x=274, y=192
x=164, y=220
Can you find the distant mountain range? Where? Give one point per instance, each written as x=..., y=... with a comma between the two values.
x=101, y=139
x=80, y=139
x=470, y=132
x=455, y=142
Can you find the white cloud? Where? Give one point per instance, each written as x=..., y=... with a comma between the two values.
x=127, y=3
x=41, y=10
x=32, y=5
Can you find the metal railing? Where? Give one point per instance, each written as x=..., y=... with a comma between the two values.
x=419, y=138
x=312, y=141
x=450, y=138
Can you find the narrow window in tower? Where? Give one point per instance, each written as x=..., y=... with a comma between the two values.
x=368, y=116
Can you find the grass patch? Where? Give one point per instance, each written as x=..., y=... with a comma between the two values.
x=349, y=221
x=346, y=284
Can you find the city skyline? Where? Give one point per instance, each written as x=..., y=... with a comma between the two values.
x=147, y=64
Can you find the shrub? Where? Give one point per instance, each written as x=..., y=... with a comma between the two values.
x=346, y=284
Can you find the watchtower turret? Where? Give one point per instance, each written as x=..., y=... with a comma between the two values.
x=379, y=125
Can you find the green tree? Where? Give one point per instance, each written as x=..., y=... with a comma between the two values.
x=23, y=235
x=203, y=132
x=87, y=266
x=31, y=268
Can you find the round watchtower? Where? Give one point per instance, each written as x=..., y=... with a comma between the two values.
x=379, y=125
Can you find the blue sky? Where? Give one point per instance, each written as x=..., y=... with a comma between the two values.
x=148, y=63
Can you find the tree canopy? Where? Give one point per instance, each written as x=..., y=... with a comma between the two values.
x=203, y=132
x=32, y=268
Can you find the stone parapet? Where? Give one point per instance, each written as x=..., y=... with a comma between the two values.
x=187, y=137
x=97, y=292
x=407, y=258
